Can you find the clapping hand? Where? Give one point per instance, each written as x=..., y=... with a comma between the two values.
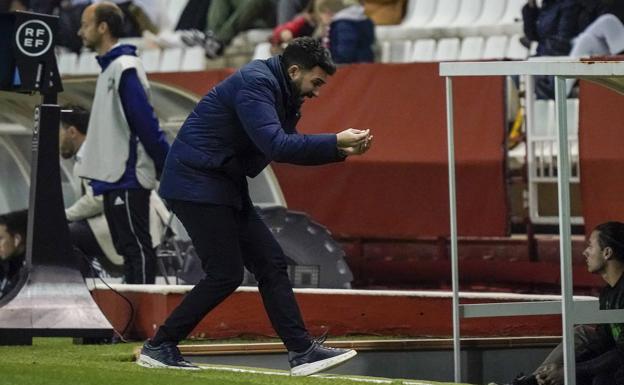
x=353, y=141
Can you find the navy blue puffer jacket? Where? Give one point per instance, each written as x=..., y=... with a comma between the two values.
x=235, y=131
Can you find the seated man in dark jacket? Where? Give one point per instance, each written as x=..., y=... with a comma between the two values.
x=242, y=124
x=12, y=249
x=599, y=349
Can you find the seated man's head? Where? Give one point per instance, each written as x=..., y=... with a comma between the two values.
x=73, y=129
x=605, y=248
x=308, y=65
x=13, y=234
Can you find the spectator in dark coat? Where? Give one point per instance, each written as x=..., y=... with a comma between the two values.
x=351, y=36
x=553, y=25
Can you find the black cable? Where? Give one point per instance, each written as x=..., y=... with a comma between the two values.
x=132, y=313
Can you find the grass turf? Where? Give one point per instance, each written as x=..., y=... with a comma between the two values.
x=57, y=361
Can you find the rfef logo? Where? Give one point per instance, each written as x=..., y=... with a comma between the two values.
x=33, y=38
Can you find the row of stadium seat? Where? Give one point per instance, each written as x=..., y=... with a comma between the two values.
x=154, y=60
x=456, y=18
x=432, y=30
x=447, y=49
x=397, y=51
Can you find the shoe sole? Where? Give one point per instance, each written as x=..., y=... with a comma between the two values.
x=148, y=362
x=319, y=366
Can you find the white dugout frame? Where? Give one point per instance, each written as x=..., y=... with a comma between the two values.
x=607, y=73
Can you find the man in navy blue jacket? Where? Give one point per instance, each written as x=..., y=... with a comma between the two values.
x=241, y=125
x=125, y=149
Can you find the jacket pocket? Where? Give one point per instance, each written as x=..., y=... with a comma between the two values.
x=201, y=160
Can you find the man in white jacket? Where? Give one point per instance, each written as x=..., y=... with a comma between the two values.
x=125, y=150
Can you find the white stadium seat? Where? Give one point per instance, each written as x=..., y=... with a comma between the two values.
x=495, y=47
x=516, y=50
x=194, y=59
x=448, y=49
x=87, y=65
x=508, y=23
x=491, y=14
x=67, y=63
x=423, y=51
x=472, y=48
x=396, y=51
x=171, y=59
x=469, y=12
x=446, y=13
x=151, y=60
x=262, y=51
x=419, y=13
x=512, y=19
x=439, y=26
x=257, y=35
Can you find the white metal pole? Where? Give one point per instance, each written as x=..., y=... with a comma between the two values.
x=453, y=214
x=563, y=181
x=529, y=91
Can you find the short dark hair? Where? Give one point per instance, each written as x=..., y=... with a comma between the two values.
x=75, y=115
x=112, y=15
x=611, y=234
x=16, y=222
x=308, y=53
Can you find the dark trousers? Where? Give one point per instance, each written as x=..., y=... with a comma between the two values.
x=127, y=214
x=226, y=18
x=227, y=239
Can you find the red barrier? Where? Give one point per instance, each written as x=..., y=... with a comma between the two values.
x=400, y=188
x=198, y=83
x=602, y=160
x=242, y=314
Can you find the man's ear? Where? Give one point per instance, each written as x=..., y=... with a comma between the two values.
x=607, y=253
x=102, y=27
x=294, y=71
x=17, y=239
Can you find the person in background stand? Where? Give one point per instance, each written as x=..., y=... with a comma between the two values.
x=125, y=150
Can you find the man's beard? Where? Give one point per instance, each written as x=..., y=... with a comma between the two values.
x=91, y=45
x=301, y=96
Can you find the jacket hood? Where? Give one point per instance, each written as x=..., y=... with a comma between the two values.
x=114, y=53
x=354, y=12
